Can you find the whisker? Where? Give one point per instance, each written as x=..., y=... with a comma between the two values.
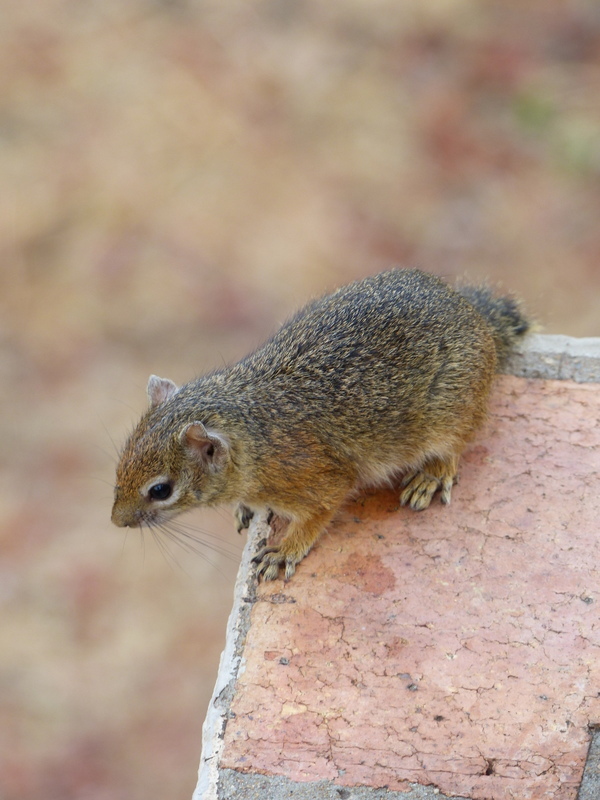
x=102, y=480
x=112, y=441
x=193, y=543
x=195, y=532
x=124, y=541
x=227, y=516
x=189, y=539
x=143, y=543
x=186, y=526
x=187, y=547
x=168, y=556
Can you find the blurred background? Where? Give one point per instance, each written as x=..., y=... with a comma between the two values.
x=175, y=178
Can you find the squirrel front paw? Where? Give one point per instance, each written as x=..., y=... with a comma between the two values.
x=270, y=559
x=298, y=540
x=243, y=517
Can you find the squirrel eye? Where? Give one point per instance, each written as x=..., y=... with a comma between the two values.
x=160, y=491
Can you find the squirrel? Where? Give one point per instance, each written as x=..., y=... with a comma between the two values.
x=386, y=378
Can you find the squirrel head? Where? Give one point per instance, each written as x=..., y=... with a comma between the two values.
x=168, y=464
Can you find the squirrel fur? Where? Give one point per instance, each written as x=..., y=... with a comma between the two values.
x=388, y=377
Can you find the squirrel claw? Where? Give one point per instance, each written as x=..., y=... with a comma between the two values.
x=243, y=517
x=269, y=559
x=420, y=487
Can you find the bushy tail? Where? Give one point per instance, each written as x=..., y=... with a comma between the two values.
x=504, y=315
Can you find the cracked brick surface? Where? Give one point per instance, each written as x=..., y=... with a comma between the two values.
x=458, y=647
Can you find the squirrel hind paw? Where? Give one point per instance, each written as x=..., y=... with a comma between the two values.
x=420, y=486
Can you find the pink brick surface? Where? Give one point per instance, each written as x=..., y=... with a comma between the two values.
x=458, y=647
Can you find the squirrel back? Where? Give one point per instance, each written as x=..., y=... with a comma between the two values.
x=386, y=377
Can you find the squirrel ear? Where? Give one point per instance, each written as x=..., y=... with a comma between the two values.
x=160, y=390
x=208, y=446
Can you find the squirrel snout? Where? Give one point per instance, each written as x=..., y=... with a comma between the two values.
x=123, y=517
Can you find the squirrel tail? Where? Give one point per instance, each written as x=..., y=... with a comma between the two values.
x=504, y=315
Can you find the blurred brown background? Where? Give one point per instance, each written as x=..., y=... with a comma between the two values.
x=176, y=177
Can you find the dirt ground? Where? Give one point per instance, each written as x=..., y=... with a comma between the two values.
x=176, y=177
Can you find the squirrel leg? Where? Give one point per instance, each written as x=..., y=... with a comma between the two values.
x=298, y=540
x=420, y=485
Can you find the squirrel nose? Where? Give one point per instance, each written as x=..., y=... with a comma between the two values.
x=122, y=517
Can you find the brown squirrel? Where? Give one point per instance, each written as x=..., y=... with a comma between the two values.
x=386, y=377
